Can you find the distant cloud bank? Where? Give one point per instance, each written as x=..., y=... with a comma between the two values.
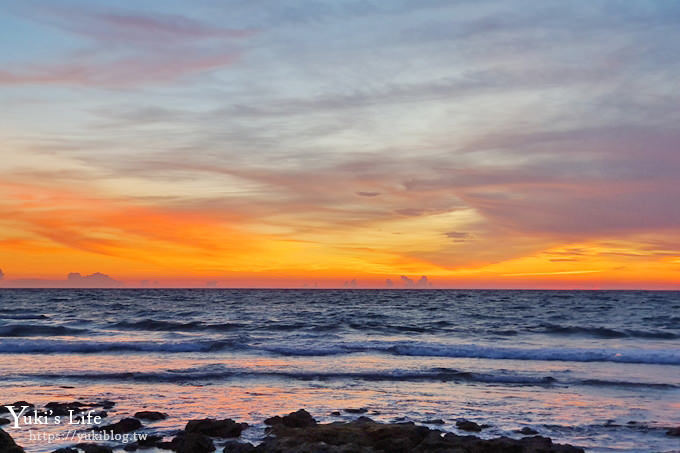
x=73, y=280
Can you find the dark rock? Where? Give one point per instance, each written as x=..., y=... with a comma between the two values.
x=527, y=431
x=150, y=440
x=273, y=420
x=56, y=404
x=151, y=415
x=5, y=421
x=234, y=446
x=94, y=448
x=369, y=437
x=55, y=408
x=364, y=419
x=467, y=425
x=186, y=442
x=436, y=421
x=298, y=419
x=22, y=403
x=673, y=432
x=16, y=404
x=106, y=404
x=126, y=425
x=65, y=450
x=7, y=444
x=361, y=410
x=335, y=414
x=216, y=428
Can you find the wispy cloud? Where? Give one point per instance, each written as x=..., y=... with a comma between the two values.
x=124, y=48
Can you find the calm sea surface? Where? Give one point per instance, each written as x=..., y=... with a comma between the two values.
x=596, y=369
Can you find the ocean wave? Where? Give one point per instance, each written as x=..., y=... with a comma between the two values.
x=605, y=332
x=22, y=317
x=173, y=326
x=89, y=347
x=656, y=356
x=443, y=375
x=31, y=330
x=413, y=349
x=410, y=349
x=218, y=372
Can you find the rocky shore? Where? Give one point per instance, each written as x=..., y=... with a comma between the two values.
x=299, y=432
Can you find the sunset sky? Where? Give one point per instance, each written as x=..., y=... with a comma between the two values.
x=483, y=144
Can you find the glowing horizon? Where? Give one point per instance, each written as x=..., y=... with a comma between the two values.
x=245, y=145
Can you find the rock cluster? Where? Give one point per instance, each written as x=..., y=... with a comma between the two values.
x=366, y=436
x=299, y=432
x=7, y=444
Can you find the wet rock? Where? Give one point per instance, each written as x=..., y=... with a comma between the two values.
x=273, y=420
x=65, y=450
x=150, y=441
x=54, y=408
x=5, y=421
x=335, y=414
x=369, y=437
x=216, y=428
x=106, y=404
x=186, y=442
x=298, y=419
x=234, y=446
x=126, y=425
x=673, y=432
x=17, y=405
x=94, y=448
x=436, y=421
x=526, y=431
x=151, y=415
x=364, y=419
x=361, y=410
x=7, y=444
x=467, y=425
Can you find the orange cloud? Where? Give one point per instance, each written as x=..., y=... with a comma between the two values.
x=47, y=232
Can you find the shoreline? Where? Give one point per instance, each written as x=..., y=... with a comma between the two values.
x=296, y=432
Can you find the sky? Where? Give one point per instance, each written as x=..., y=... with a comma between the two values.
x=340, y=143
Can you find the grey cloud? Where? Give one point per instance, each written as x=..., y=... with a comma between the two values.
x=458, y=236
x=422, y=283
x=72, y=280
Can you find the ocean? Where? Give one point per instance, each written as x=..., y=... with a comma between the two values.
x=596, y=369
